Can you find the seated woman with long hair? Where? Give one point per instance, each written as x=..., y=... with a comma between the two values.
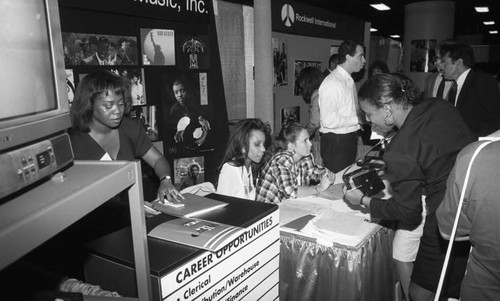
x=289, y=172
x=244, y=153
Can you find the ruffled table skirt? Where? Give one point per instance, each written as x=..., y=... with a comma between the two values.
x=309, y=271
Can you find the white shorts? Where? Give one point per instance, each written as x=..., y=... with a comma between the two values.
x=406, y=242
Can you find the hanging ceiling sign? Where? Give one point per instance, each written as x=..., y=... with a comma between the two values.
x=299, y=19
x=161, y=9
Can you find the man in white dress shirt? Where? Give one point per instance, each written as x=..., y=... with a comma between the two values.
x=339, y=110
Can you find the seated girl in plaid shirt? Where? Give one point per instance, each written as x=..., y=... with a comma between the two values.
x=291, y=169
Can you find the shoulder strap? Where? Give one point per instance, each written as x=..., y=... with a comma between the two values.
x=457, y=216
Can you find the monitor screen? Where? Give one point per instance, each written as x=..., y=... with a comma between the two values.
x=27, y=77
x=33, y=97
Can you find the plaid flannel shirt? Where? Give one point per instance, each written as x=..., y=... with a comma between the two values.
x=281, y=177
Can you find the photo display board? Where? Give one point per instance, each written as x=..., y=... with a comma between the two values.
x=168, y=50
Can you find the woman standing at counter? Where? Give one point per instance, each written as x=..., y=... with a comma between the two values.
x=289, y=172
x=418, y=159
x=309, y=80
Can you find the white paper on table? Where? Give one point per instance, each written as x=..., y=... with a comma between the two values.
x=332, y=226
x=315, y=205
x=296, y=208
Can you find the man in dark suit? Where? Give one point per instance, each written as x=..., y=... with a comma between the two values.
x=476, y=95
x=435, y=85
x=102, y=54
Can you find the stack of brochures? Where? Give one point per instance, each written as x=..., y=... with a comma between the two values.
x=197, y=233
x=192, y=206
x=192, y=231
x=333, y=227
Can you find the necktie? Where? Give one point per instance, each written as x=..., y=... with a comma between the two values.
x=453, y=93
x=441, y=89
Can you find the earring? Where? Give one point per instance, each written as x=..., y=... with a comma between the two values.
x=388, y=123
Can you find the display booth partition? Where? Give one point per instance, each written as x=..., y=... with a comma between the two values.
x=169, y=52
x=304, y=35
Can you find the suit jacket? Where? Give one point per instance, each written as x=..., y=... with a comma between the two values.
x=479, y=103
x=429, y=84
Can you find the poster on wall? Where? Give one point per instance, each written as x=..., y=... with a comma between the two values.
x=334, y=49
x=136, y=78
x=183, y=110
x=299, y=65
x=147, y=117
x=422, y=53
x=70, y=85
x=290, y=115
x=158, y=47
x=193, y=28
x=280, y=62
x=98, y=49
x=193, y=52
x=188, y=171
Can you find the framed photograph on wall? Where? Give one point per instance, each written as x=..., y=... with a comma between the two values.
x=280, y=62
x=158, y=47
x=193, y=51
x=189, y=171
x=422, y=53
x=137, y=83
x=70, y=85
x=299, y=65
x=290, y=115
x=184, y=113
x=147, y=117
x=98, y=50
x=334, y=49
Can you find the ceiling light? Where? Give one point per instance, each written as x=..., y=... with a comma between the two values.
x=395, y=36
x=493, y=31
x=489, y=22
x=373, y=29
x=482, y=9
x=380, y=6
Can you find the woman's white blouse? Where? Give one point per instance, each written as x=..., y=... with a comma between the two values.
x=236, y=181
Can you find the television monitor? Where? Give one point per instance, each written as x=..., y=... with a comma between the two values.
x=33, y=95
x=34, y=107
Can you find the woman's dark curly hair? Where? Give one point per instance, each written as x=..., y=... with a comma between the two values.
x=377, y=64
x=309, y=79
x=89, y=89
x=385, y=88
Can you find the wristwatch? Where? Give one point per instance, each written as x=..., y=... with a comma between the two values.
x=166, y=178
